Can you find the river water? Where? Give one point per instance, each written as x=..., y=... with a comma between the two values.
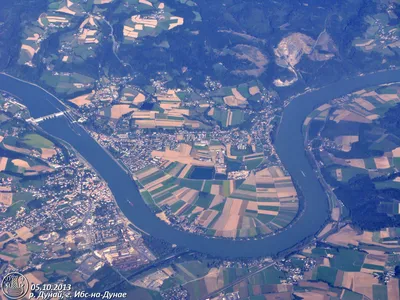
x=289, y=146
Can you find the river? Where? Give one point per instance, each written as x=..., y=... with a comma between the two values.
x=289, y=146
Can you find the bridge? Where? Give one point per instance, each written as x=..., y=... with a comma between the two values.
x=41, y=119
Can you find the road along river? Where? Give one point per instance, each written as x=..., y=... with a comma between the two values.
x=289, y=146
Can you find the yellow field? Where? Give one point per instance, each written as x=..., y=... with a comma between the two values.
x=117, y=111
x=365, y=104
x=24, y=233
x=179, y=22
x=396, y=152
x=348, y=236
x=6, y=199
x=346, y=141
x=345, y=115
x=82, y=100
x=36, y=277
x=254, y=90
x=382, y=162
x=393, y=289
x=357, y=163
x=48, y=153
x=139, y=99
x=3, y=163
x=237, y=99
x=20, y=163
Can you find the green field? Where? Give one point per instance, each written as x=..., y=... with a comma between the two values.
x=65, y=266
x=67, y=83
x=19, y=199
x=4, y=237
x=326, y=274
x=221, y=116
x=34, y=248
x=349, y=295
x=348, y=260
x=270, y=275
x=379, y=292
x=37, y=141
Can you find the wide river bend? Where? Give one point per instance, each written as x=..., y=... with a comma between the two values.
x=289, y=145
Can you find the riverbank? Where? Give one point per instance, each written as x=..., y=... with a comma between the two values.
x=289, y=145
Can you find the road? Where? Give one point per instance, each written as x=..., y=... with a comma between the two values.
x=144, y=269
x=115, y=46
x=217, y=292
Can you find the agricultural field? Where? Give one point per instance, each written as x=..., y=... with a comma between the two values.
x=174, y=108
x=138, y=26
x=37, y=141
x=68, y=7
x=83, y=100
x=35, y=150
x=25, y=152
x=67, y=83
x=24, y=167
x=82, y=43
x=358, y=271
x=60, y=15
x=6, y=197
x=155, y=119
x=132, y=96
x=115, y=112
x=168, y=112
x=354, y=286
x=269, y=281
x=64, y=267
x=30, y=44
x=133, y=68
x=31, y=144
x=363, y=107
x=200, y=279
x=16, y=202
x=211, y=154
x=386, y=238
x=16, y=253
x=382, y=34
x=80, y=28
x=390, y=208
x=356, y=139
x=228, y=117
x=263, y=203
x=194, y=155
x=238, y=96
